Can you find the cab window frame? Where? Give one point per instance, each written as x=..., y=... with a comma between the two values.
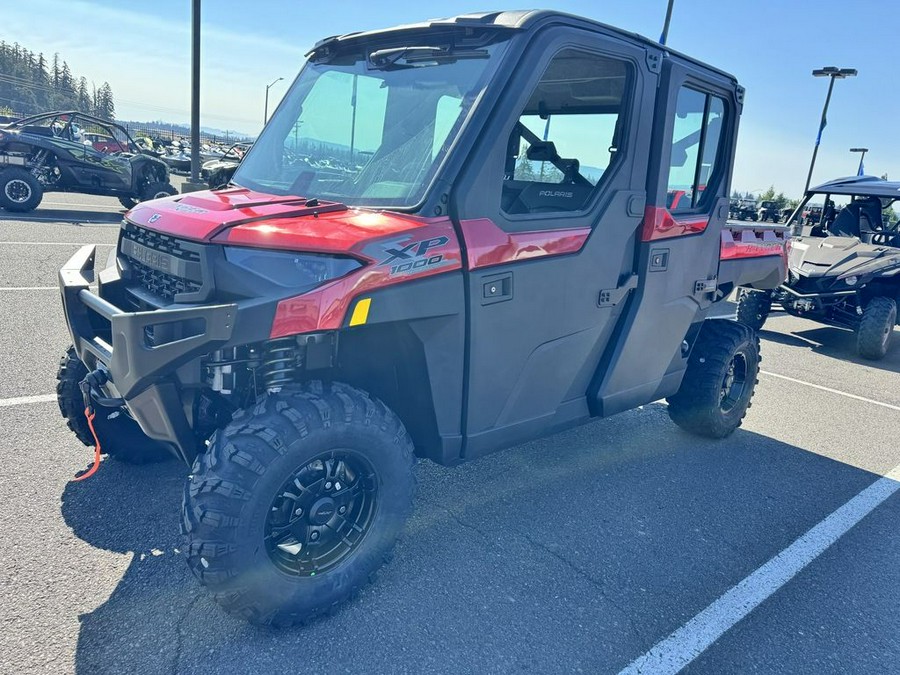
x=624, y=123
x=704, y=203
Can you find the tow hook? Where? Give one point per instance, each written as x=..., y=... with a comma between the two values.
x=90, y=392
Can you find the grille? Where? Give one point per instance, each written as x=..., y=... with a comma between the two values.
x=162, y=242
x=184, y=275
x=159, y=283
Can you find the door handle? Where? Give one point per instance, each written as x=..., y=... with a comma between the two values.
x=496, y=288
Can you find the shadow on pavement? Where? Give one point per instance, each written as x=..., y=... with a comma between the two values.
x=66, y=215
x=575, y=553
x=836, y=343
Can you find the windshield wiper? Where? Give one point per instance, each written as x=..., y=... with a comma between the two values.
x=420, y=56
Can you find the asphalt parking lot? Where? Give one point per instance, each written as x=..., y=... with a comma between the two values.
x=582, y=552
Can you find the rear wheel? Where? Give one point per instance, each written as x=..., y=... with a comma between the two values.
x=753, y=308
x=876, y=327
x=157, y=190
x=120, y=436
x=297, y=503
x=19, y=190
x=718, y=384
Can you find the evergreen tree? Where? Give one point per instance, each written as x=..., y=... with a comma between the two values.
x=29, y=85
x=84, y=97
x=105, y=107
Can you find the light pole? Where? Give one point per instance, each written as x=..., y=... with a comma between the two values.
x=266, y=111
x=862, y=156
x=834, y=74
x=195, y=94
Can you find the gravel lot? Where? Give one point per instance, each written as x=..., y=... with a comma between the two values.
x=577, y=553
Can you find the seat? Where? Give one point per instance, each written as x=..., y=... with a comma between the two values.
x=847, y=222
x=870, y=217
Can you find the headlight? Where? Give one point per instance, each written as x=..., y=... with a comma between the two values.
x=300, y=271
x=851, y=281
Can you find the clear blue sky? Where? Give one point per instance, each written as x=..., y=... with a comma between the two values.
x=143, y=50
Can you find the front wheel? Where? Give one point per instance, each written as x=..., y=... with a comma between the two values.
x=19, y=190
x=297, y=503
x=876, y=327
x=717, y=387
x=753, y=308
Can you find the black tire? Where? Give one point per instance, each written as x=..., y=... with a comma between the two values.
x=238, y=503
x=217, y=179
x=157, y=190
x=19, y=190
x=120, y=436
x=718, y=384
x=876, y=327
x=152, y=191
x=753, y=308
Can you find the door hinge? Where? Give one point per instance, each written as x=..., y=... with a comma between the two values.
x=613, y=296
x=705, y=286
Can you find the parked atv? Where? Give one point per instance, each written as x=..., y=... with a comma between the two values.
x=418, y=285
x=74, y=152
x=847, y=275
x=743, y=209
x=768, y=210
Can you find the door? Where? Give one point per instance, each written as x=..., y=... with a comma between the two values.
x=549, y=210
x=694, y=134
x=103, y=165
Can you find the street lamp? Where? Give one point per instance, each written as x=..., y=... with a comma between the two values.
x=266, y=111
x=834, y=74
x=862, y=156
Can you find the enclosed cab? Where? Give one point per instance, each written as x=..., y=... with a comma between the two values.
x=451, y=237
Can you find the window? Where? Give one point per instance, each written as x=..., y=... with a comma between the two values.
x=369, y=128
x=696, y=138
x=567, y=136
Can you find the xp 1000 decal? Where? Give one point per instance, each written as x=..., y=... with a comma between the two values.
x=408, y=255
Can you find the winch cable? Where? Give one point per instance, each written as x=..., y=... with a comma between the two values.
x=95, y=377
x=92, y=469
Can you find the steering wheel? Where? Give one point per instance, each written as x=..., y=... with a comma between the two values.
x=882, y=237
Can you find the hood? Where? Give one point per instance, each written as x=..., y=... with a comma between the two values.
x=840, y=256
x=246, y=218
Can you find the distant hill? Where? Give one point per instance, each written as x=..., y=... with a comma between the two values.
x=163, y=129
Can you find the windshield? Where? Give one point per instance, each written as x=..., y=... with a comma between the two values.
x=361, y=134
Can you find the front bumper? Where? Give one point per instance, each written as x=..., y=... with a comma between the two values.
x=141, y=366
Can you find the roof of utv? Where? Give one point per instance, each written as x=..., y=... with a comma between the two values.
x=517, y=20
x=864, y=186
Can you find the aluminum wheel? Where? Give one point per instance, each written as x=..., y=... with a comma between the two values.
x=18, y=191
x=734, y=383
x=321, y=513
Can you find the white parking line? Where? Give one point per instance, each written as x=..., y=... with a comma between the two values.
x=29, y=288
x=676, y=651
x=50, y=243
x=832, y=391
x=23, y=400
